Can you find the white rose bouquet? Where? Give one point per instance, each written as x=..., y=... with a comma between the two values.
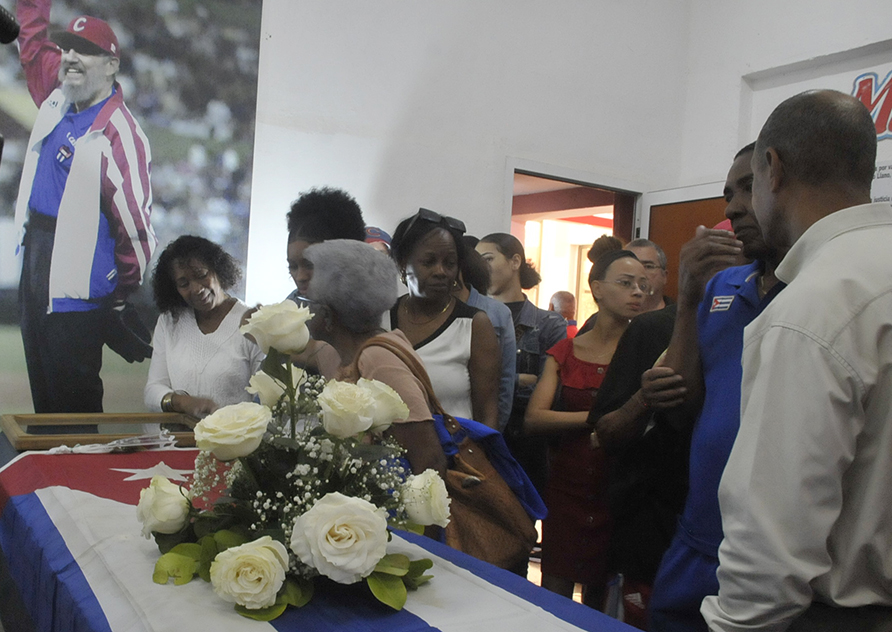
x=250, y=574
x=342, y=537
x=312, y=487
x=282, y=326
x=163, y=507
x=270, y=390
x=233, y=431
x=426, y=499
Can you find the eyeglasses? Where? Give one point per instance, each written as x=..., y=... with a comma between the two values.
x=427, y=215
x=650, y=265
x=627, y=284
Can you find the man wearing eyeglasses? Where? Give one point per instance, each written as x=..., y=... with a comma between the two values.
x=653, y=259
x=83, y=208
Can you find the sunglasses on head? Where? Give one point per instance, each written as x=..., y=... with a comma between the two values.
x=427, y=215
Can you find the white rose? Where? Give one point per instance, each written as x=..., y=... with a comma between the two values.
x=163, y=507
x=270, y=390
x=341, y=537
x=282, y=326
x=425, y=498
x=233, y=431
x=347, y=409
x=251, y=574
x=389, y=406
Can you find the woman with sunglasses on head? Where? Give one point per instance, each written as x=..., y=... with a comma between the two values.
x=576, y=532
x=456, y=342
x=536, y=331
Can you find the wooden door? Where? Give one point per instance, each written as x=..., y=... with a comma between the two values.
x=673, y=225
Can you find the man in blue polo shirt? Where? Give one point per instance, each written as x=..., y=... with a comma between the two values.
x=706, y=350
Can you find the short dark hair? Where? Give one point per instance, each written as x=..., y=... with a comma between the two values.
x=822, y=136
x=184, y=249
x=509, y=245
x=412, y=230
x=745, y=150
x=325, y=213
x=599, y=269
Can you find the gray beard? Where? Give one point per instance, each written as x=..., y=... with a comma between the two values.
x=87, y=91
x=76, y=94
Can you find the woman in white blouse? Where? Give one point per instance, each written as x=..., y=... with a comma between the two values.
x=200, y=360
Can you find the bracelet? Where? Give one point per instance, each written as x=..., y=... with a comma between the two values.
x=641, y=399
x=167, y=401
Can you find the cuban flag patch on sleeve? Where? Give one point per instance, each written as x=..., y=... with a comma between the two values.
x=721, y=303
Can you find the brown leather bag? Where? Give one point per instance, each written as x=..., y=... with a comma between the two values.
x=487, y=521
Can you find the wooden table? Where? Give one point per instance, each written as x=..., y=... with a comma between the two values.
x=15, y=427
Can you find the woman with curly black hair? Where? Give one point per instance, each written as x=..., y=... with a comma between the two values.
x=200, y=360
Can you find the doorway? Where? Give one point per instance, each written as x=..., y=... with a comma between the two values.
x=557, y=221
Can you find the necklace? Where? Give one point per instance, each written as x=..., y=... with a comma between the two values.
x=429, y=320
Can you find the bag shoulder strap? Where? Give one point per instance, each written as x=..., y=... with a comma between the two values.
x=416, y=368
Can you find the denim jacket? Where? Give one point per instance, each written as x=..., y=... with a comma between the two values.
x=537, y=331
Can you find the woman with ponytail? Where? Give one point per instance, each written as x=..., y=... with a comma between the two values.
x=536, y=330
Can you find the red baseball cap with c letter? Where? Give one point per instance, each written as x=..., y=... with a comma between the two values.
x=88, y=35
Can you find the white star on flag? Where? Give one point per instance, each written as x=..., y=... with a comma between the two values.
x=161, y=469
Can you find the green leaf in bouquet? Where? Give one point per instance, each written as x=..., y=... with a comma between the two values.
x=180, y=567
x=208, y=553
x=209, y=522
x=188, y=549
x=262, y=614
x=406, y=525
x=167, y=541
x=297, y=592
x=274, y=365
x=393, y=564
x=417, y=567
x=388, y=589
x=227, y=538
x=415, y=577
x=412, y=583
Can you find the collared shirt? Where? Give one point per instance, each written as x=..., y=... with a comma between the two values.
x=500, y=316
x=806, y=497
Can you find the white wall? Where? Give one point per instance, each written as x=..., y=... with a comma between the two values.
x=732, y=40
x=409, y=103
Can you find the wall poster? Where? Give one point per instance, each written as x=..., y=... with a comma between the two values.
x=188, y=76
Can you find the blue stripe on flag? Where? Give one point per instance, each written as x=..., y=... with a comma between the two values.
x=339, y=607
x=72, y=607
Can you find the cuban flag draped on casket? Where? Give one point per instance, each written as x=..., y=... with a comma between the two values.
x=74, y=550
